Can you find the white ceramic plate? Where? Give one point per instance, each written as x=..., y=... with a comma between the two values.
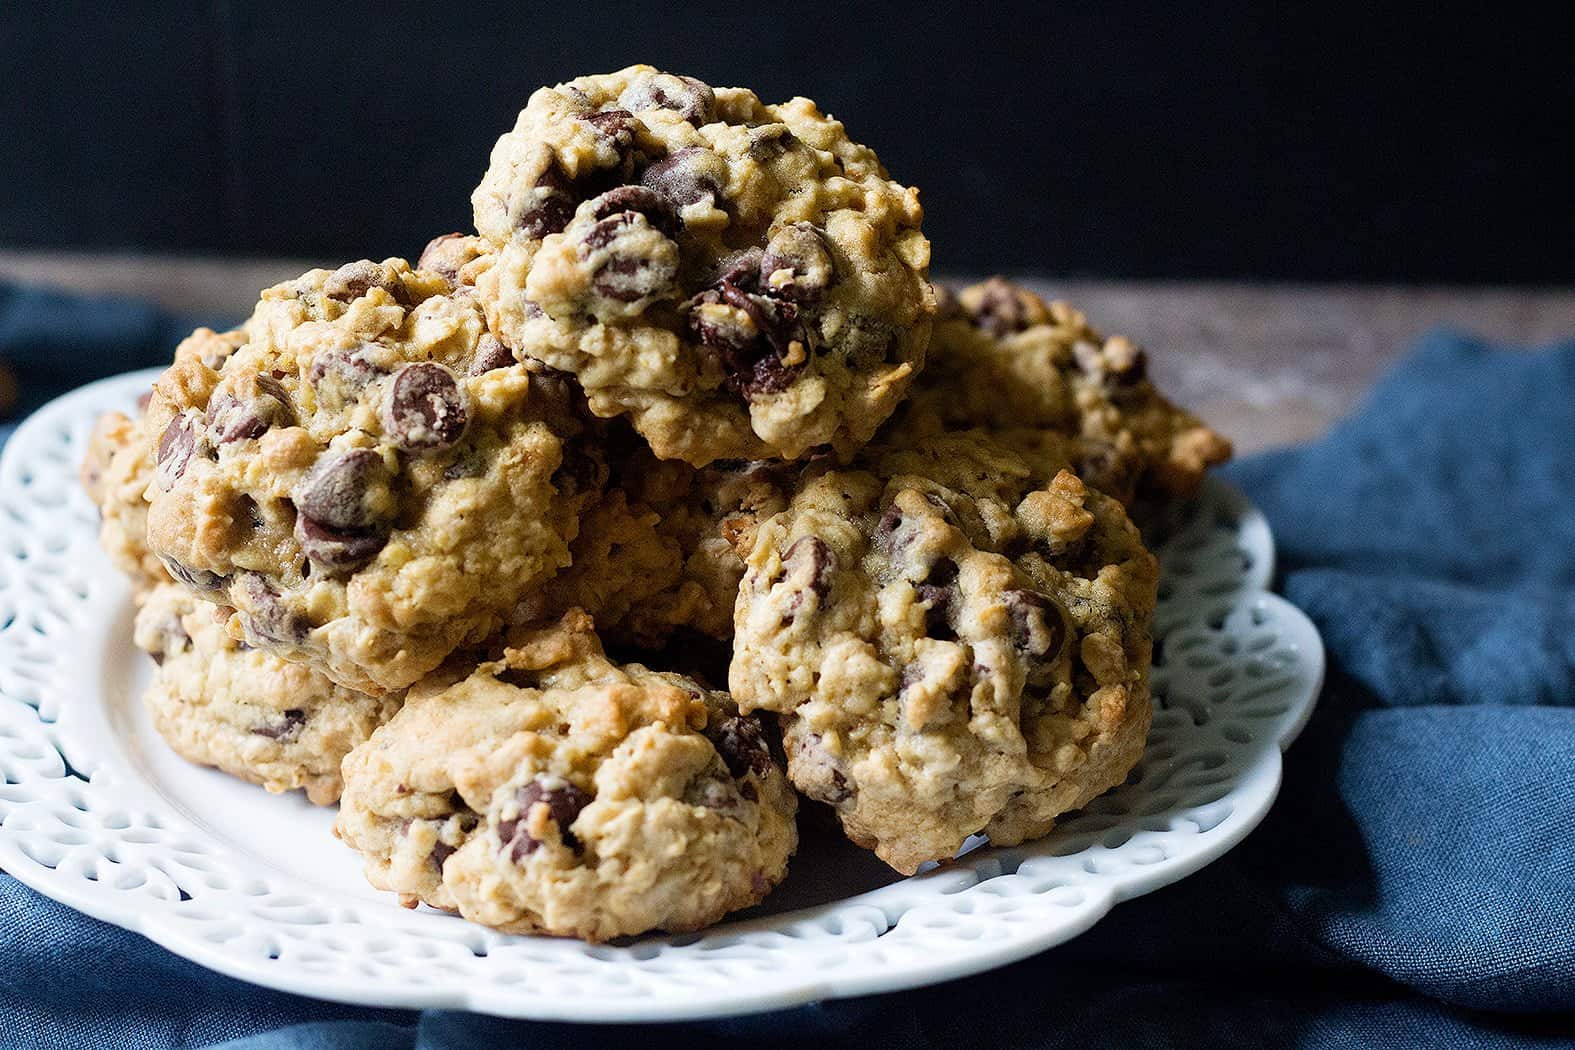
x=97, y=813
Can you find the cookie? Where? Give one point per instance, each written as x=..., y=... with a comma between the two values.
x=553, y=791
x=1004, y=359
x=370, y=482
x=740, y=279
x=658, y=556
x=218, y=702
x=957, y=643
x=118, y=466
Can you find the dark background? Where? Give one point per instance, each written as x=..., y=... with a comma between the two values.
x=1146, y=140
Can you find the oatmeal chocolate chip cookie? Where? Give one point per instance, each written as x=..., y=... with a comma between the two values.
x=119, y=465
x=709, y=515
x=956, y=643
x=658, y=556
x=740, y=279
x=1004, y=359
x=218, y=702
x=367, y=483
x=554, y=791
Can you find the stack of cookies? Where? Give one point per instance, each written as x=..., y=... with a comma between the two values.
x=567, y=559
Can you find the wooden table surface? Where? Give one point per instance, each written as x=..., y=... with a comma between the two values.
x=1266, y=364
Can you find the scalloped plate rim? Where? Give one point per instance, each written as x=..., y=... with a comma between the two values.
x=121, y=909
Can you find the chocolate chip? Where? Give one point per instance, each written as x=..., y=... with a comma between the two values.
x=172, y=638
x=797, y=264
x=891, y=518
x=441, y=851
x=1000, y=311
x=547, y=207
x=349, y=366
x=686, y=176
x=447, y=254
x=563, y=801
x=1037, y=626
x=692, y=99
x=749, y=338
x=354, y=280
x=175, y=451
x=343, y=490
x=741, y=269
x=266, y=404
x=811, y=559
x=770, y=141
x=712, y=792
x=286, y=728
x=490, y=355
x=338, y=550
x=424, y=408
x=268, y=617
x=615, y=125
x=818, y=773
x=626, y=272
x=196, y=579
x=742, y=745
x=638, y=199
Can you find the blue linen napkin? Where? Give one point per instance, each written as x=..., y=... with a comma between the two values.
x=53, y=341
x=1414, y=886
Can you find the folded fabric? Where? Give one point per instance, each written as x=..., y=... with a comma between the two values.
x=1414, y=885
x=52, y=341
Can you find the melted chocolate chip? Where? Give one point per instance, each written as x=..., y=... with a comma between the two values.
x=490, y=356
x=349, y=366
x=447, y=254
x=797, y=264
x=338, y=550
x=548, y=206
x=175, y=451
x=354, y=280
x=340, y=492
x=268, y=617
x=686, y=176
x=1037, y=627
x=197, y=579
x=231, y=418
x=692, y=99
x=615, y=125
x=818, y=773
x=742, y=745
x=741, y=269
x=811, y=560
x=712, y=792
x=749, y=338
x=287, y=727
x=564, y=802
x=424, y=408
x=626, y=272
x=637, y=199
x=770, y=141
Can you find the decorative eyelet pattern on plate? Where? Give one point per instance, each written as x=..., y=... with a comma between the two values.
x=1236, y=674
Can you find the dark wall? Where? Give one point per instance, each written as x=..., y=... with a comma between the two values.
x=1334, y=142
